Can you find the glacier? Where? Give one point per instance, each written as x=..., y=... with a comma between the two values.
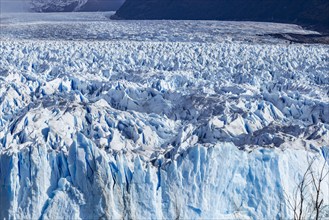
x=134, y=120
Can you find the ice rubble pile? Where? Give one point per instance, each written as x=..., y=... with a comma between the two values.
x=158, y=129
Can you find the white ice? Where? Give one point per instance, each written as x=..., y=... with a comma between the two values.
x=157, y=119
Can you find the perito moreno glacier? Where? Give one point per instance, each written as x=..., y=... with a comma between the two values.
x=113, y=119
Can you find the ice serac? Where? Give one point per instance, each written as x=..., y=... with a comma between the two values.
x=157, y=125
x=209, y=182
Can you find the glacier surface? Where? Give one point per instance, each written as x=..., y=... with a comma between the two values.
x=158, y=119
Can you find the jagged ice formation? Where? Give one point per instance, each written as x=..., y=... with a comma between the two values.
x=220, y=126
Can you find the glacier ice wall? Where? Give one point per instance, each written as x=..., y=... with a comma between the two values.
x=209, y=182
x=150, y=130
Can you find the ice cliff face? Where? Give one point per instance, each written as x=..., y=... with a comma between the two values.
x=203, y=182
x=153, y=129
